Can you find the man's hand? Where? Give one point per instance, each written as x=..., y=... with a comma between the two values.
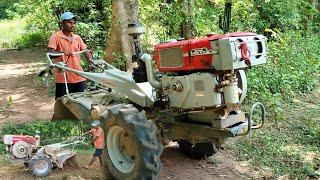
x=88, y=55
x=93, y=62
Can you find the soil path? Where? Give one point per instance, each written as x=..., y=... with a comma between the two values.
x=22, y=96
x=30, y=101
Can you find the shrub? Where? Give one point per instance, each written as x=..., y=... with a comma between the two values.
x=293, y=67
x=31, y=40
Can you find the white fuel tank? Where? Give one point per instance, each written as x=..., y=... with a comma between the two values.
x=7, y=139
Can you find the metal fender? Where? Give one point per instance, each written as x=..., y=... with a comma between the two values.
x=242, y=84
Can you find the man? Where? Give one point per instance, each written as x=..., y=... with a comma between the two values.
x=98, y=142
x=67, y=42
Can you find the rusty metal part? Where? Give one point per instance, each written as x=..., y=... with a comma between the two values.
x=84, y=105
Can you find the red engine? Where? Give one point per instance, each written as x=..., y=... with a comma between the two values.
x=25, y=138
x=186, y=55
x=21, y=146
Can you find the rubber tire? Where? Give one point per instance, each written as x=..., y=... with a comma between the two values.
x=34, y=170
x=198, y=151
x=143, y=133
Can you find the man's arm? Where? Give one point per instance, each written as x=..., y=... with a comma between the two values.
x=94, y=139
x=99, y=133
x=53, y=51
x=90, y=131
x=88, y=55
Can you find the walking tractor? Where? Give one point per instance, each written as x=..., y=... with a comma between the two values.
x=40, y=160
x=190, y=92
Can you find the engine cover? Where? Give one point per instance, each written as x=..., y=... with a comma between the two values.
x=192, y=91
x=222, y=52
x=12, y=139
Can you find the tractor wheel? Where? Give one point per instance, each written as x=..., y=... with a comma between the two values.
x=198, y=150
x=41, y=166
x=132, y=148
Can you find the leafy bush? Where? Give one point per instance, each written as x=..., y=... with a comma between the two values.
x=31, y=40
x=293, y=66
x=11, y=30
x=44, y=20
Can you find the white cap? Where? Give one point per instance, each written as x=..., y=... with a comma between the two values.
x=67, y=16
x=95, y=123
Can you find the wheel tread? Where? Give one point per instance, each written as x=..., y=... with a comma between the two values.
x=144, y=132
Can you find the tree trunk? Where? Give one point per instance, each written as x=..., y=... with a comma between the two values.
x=187, y=27
x=119, y=42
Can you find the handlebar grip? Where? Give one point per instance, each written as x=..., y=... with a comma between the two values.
x=55, y=54
x=80, y=52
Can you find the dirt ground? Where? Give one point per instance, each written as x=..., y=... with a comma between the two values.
x=30, y=101
x=22, y=98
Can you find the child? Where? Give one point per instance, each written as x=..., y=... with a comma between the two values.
x=98, y=142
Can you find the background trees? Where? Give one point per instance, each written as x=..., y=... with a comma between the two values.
x=292, y=27
x=164, y=19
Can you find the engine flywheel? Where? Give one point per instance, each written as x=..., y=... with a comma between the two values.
x=21, y=149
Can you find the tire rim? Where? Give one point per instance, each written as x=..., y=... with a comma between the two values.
x=121, y=149
x=41, y=166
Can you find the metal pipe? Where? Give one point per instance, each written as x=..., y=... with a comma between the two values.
x=65, y=81
x=263, y=115
x=150, y=74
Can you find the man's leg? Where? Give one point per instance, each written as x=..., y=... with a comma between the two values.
x=78, y=87
x=60, y=90
x=97, y=153
x=92, y=160
x=100, y=159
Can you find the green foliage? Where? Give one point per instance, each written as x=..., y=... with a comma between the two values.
x=31, y=40
x=120, y=61
x=207, y=18
x=8, y=106
x=163, y=18
x=11, y=30
x=6, y=6
x=282, y=15
x=90, y=33
x=50, y=131
x=44, y=20
x=293, y=66
x=9, y=102
x=292, y=149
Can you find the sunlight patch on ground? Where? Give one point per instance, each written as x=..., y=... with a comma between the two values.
x=19, y=69
x=291, y=149
x=311, y=156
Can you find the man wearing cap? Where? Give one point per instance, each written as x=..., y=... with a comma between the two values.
x=67, y=42
x=98, y=142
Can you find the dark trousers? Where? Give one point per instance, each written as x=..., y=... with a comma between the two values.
x=73, y=87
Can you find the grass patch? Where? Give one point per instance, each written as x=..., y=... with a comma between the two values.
x=290, y=147
x=11, y=31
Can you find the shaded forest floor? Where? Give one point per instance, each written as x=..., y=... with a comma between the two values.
x=24, y=97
